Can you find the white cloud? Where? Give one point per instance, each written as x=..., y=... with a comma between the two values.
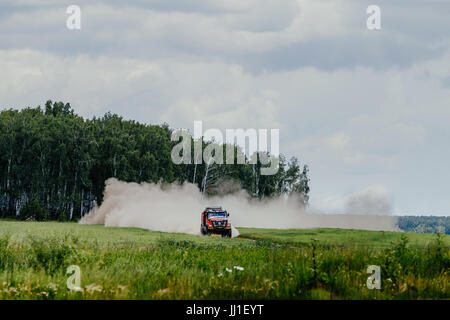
x=361, y=108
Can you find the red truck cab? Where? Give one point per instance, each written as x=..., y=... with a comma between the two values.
x=215, y=220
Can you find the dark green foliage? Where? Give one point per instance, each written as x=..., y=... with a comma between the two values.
x=63, y=216
x=33, y=211
x=61, y=161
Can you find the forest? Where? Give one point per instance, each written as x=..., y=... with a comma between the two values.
x=54, y=163
x=424, y=224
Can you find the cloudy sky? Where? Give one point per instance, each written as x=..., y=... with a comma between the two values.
x=368, y=111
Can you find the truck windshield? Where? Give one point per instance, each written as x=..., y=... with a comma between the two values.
x=217, y=215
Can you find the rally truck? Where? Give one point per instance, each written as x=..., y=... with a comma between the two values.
x=215, y=221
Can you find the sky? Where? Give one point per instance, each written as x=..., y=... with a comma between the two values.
x=367, y=110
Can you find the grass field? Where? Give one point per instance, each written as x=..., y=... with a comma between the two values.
x=129, y=263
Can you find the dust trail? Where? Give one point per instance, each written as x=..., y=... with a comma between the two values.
x=370, y=201
x=175, y=208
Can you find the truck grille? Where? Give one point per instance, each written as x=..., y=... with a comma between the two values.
x=220, y=224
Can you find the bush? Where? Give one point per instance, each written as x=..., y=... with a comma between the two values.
x=5, y=254
x=63, y=216
x=50, y=254
x=438, y=257
x=33, y=211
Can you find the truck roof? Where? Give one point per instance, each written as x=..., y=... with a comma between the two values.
x=214, y=209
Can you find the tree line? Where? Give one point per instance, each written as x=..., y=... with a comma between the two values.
x=54, y=163
x=424, y=224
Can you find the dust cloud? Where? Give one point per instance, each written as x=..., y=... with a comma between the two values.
x=177, y=208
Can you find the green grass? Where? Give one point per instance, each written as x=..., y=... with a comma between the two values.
x=339, y=237
x=131, y=263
